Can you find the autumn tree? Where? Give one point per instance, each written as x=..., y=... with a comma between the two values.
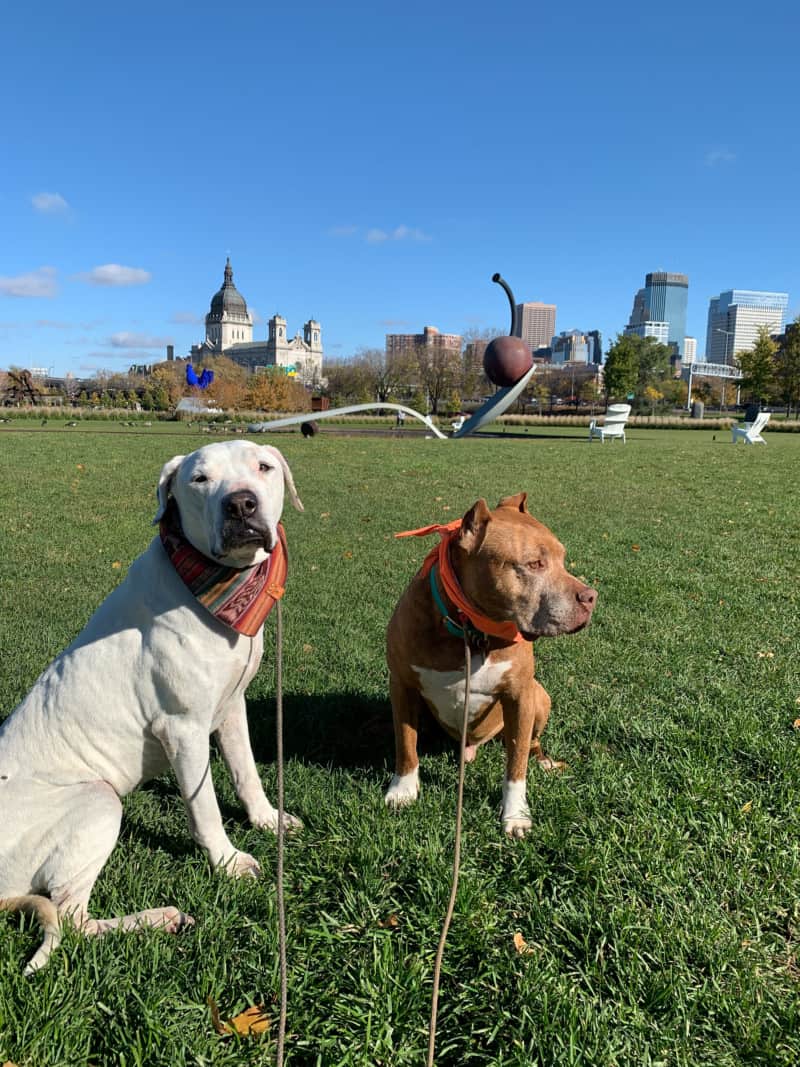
x=273, y=390
x=759, y=367
x=787, y=370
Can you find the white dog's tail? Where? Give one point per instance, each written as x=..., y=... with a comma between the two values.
x=47, y=914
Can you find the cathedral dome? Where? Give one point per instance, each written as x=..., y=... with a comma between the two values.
x=228, y=300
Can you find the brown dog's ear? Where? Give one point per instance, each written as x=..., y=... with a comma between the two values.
x=473, y=526
x=517, y=501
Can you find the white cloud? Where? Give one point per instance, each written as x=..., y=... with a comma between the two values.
x=41, y=282
x=399, y=233
x=342, y=231
x=50, y=203
x=124, y=339
x=719, y=155
x=114, y=274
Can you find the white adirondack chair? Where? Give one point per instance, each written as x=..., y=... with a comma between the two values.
x=750, y=432
x=613, y=424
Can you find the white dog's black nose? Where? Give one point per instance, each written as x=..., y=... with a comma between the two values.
x=240, y=505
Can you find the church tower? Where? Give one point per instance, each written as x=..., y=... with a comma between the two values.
x=228, y=322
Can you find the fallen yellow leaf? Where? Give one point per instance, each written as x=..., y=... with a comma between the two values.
x=747, y=806
x=521, y=945
x=251, y=1021
x=116, y=565
x=391, y=921
x=796, y=724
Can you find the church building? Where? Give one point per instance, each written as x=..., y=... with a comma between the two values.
x=229, y=332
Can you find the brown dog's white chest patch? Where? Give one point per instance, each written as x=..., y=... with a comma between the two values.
x=444, y=690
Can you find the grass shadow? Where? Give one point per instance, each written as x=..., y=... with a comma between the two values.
x=346, y=730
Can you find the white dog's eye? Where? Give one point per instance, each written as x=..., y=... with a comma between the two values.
x=264, y=467
x=199, y=478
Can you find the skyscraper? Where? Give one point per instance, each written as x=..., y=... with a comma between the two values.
x=536, y=323
x=659, y=310
x=734, y=318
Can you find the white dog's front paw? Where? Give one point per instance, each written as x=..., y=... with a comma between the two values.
x=515, y=813
x=268, y=820
x=241, y=865
x=403, y=790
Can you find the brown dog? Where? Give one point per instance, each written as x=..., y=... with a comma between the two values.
x=501, y=575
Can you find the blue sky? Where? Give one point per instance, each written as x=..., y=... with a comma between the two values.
x=372, y=165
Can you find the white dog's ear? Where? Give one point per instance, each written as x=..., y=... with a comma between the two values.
x=165, y=485
x=288, y=480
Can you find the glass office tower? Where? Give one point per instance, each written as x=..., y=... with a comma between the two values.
x=665, y=295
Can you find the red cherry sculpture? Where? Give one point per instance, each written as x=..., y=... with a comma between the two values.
x=506, y=359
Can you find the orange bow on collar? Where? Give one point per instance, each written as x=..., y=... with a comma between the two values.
x=440, y=554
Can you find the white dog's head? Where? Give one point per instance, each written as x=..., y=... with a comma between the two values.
x=230, y=497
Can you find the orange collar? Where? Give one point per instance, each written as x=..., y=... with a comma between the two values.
x=440, y=554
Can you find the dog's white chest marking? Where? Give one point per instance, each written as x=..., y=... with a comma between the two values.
x=444, y=690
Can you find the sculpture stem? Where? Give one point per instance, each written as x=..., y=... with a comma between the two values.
x=501, y=281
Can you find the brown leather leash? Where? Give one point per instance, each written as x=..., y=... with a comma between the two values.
x=280, y=900
x=437, y=967
x=281, y=903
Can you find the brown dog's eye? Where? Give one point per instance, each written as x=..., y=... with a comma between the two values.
x=535, y=564
x=264, y=467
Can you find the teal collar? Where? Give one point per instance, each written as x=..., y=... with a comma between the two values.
x=466, y=632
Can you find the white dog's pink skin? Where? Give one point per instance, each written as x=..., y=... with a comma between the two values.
x=151, y=676
x=511, y=567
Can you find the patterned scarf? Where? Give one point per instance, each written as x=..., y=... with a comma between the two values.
x=440, y=554
x=241, y=599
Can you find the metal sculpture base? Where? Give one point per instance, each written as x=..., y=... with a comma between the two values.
x=487, y=412
x=352, y=409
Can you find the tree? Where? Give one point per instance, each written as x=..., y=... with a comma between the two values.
x=438, y=370
x=634, y=363
x=653, y=397
x=383, y=373
x=787, y=369
x=621, y=371
x=758, y=367
x=273, y=390
x=348, y=382
x=654, y=363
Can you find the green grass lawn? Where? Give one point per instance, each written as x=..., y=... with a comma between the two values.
x=659, y=893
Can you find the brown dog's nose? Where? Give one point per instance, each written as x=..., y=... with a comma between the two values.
x=239, y=505
x=587, y=597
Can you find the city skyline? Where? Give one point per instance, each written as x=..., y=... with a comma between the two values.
x=370, y=194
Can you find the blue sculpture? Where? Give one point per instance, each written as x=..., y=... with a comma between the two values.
x=205, y=379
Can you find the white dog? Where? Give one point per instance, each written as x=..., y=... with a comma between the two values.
x=151, y=676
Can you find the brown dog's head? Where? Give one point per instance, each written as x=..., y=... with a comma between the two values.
x=512, y=568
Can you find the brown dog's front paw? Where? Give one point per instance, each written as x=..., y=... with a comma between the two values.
x=517, y=826
x=403, y=790
x=515, y=813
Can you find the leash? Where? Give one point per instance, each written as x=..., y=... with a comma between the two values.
x=437, y=967
x=281, y=904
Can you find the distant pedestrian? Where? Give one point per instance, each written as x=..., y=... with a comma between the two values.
x=401, y=418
